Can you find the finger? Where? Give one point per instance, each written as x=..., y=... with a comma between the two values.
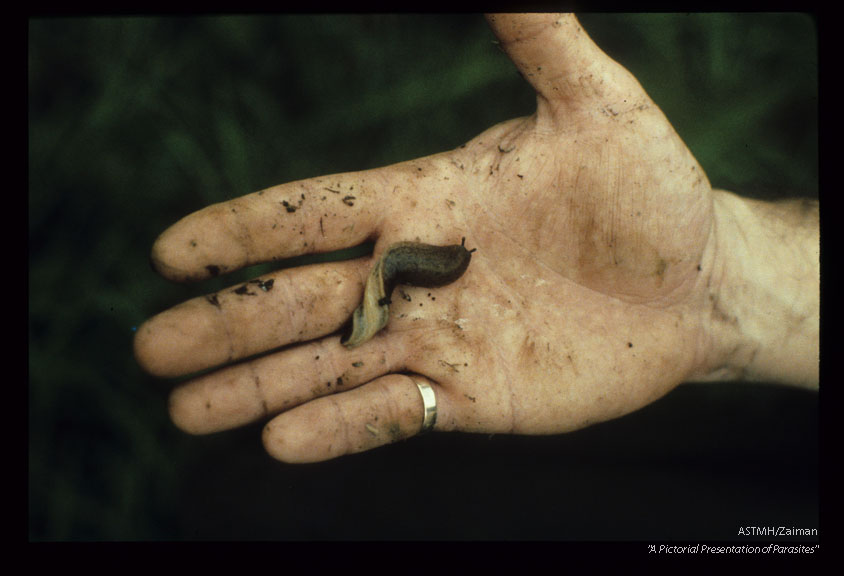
x=556, y=55
x=288, y=306
x=316, y=215
x=386, y=410
x=252, y=390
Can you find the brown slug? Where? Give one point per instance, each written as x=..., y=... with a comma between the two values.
x=410, y=263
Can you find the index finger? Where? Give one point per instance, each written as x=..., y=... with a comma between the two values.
x=315, y=215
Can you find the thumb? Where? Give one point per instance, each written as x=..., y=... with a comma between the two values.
x=562, y=63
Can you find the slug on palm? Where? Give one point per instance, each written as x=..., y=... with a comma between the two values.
x=410, y=263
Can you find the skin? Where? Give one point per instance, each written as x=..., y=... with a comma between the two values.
x=608, y=272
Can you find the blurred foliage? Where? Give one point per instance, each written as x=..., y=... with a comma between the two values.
x=136, y=122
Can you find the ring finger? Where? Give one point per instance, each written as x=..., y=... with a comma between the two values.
x=386, y=410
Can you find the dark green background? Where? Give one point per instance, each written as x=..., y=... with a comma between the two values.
x=136, y=122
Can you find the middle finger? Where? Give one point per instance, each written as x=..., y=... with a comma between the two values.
x=275, y=310
x=247, y=392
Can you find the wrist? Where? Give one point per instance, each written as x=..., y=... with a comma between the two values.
x=764, y=303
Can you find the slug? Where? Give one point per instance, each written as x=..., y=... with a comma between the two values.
x=403, y=263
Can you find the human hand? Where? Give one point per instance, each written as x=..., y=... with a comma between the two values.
x=587, y=298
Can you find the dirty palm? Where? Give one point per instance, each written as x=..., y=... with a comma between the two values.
x=588, y=292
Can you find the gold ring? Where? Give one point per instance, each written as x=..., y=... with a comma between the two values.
x=429, y=400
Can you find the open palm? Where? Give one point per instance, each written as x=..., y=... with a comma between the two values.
x=587, y=297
